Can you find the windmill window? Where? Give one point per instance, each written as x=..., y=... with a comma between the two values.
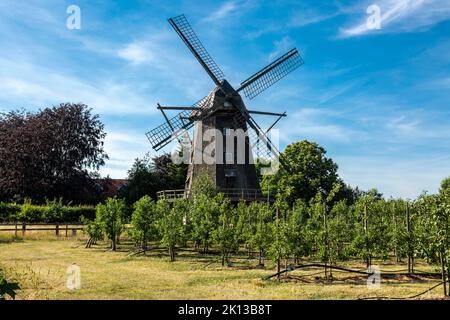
x=229, y=157
x=230, y=173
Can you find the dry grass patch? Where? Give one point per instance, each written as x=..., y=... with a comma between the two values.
x=40, y=267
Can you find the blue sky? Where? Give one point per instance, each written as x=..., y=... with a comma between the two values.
x=377, y=100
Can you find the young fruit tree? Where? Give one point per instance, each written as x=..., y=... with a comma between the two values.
x=262, y=236
x=225, y=235
x=204, y=219
x=111, y=216
x=144, y=220
x=172, y=226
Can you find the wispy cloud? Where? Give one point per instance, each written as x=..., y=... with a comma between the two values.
x=24, y=82
x=135, y=53
x=222, y=12
x=281, y=46
x=308, y=16
x=398, y=16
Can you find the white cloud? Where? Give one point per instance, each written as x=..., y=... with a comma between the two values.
x=309, y=16
x=135, y=53
x=281, y=46
x=22, y=82
x=399, y=16
x=222, y=12
x=122, y=148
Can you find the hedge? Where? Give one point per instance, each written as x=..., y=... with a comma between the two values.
x=10, y=212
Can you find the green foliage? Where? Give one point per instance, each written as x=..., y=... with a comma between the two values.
x=226, y=234
x=203, y=185
x=279, y=247
x=262, y=236
x=144, y=221
x=9, y=212
x=246, y=224
x=311, y=171
x=149, y=175
x=53, y=211
x=299, y=236
x=172, y=226
x=110, y=216
x=204, y=219
x=93, y=228
x=445, y=186
x=7, y=288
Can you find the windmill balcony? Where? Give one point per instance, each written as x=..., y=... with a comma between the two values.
x=233, y=194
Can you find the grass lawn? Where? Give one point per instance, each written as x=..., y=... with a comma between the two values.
x=40, y=265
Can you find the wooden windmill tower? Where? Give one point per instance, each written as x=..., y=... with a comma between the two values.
x=219, y=119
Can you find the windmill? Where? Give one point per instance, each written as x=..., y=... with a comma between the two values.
x=230, y=163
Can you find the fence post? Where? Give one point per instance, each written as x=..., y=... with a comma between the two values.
x=15, y=231
x=57, y=230
x=67, y=228
x=24, y=228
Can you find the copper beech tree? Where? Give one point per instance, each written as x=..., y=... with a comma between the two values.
x=53, y=152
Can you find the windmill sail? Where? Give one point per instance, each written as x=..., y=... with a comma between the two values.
x=272, y=73
x=163, y=134
x=187, y=34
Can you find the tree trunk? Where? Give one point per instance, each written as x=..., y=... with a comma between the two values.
x=448, y=278
x=172, y=253
x=443, y=273
x=223, y=259
x=278, y=268
x=113, y=244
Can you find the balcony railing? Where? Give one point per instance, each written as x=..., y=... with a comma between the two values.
x=232, y=194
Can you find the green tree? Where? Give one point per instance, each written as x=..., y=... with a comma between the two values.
x=203, y=185
x=148, y=175
x=311, y=171
x=297, y=232
x=372, y=236
x=204, y=219
x=246, y=224
x=445, y=186
x=144, y=222
x=93, y=229
x=110, y=215
x=434, y=235
x=279, y=247
x=173, y=228
x=262, y=236
x=225, y=235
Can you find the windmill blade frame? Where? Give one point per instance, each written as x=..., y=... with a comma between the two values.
x=271, y=74
x=163, y=134
x=187, y=34
x=269, y=148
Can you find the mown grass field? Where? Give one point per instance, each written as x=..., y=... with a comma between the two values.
x=39, y=264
